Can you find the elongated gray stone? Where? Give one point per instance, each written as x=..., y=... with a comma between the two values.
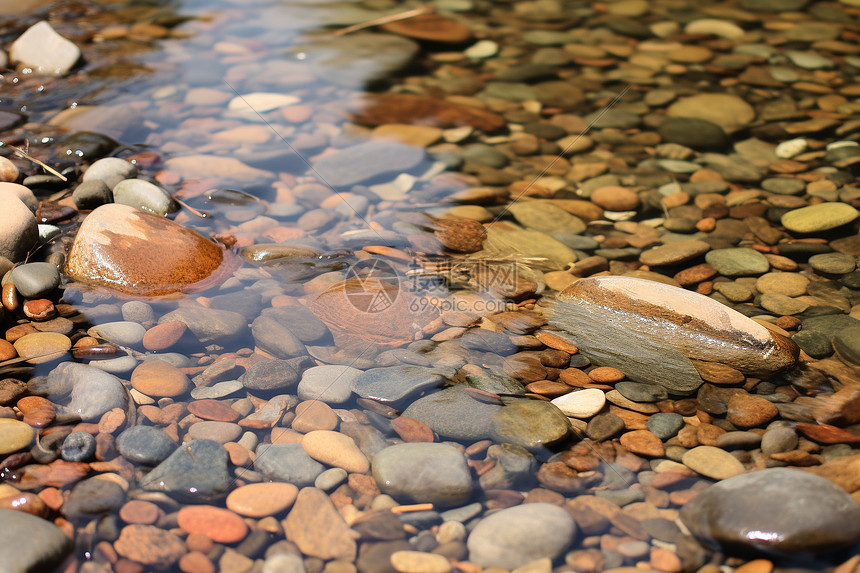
x=30, y=543
x=650, y=331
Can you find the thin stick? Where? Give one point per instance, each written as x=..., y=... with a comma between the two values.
x=384, y=20
x=190, y=208
x=41, y=164
x=408, y=508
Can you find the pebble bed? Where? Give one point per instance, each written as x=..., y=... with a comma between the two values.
x=470, y=286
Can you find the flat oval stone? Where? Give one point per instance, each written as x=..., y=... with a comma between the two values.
x=14, y=435
x=157, y=378
x=33, y=280
x=137, y=253
x=262, y=499
x=41, y=347
x=31, y=543
x=219, y=525
x=737, y=262
x=737, y=514
x=582, y=403
x=821, y=217
x=619, y=321
x=712, y=462
x=335, y=449
x=531, y=424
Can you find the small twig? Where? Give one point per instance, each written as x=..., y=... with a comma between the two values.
x=41, y=164
x=190, y=208
x=385, y=20
x=409, y=508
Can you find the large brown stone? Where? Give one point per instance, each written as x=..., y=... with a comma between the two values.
x=650, y=331
x=137, y=253
x=379, y=109
x=317, y=528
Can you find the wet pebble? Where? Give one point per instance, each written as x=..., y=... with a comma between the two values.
x=18, y=228
x=93, y=392
x=287, y=463
x=512, y=537
x=35, y=280
x=335, y=449
x=145, y=445
x=712, y=462
x=31, y=543
x=14, y=435
x=262, y=499
x=331, y=384
x=418, y=473
x=78, y=447
x=195, y=470
x=157, y=378
x=395, y=383
x=219, y=525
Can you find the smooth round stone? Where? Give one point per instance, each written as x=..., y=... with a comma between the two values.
x=110, y=169
x=736, y=515
x=693, y=132
x=748, y=411
x=221, y=432
x=335, y=449
x=736, y=262
x=93, y=391
x=725, y=110
x=665, y=425
x=604, y=426
x=41, y=347
x=329, y=383
x=581, y=403
x=423, y=473
x=270, y=375
x=196, y=470
x=847, y=343
x=738, y=441
x=484, y=340
x=783, y=185
x=674, y=253
x=145, y=196
x=782, y=305
x=14, y=435
x=93, y=496
x=18, y=228
x=833, y=263
x=778, y=440
x=330, y=479
x=163, y=336
x=419, y=562
x=712, y=462
x=512, y=537
x=788, y=284
x=78, y=447
x=531, y=424
x=119, y=365
x=31, y=543
x=817, y=218
x=454, y=413
x=145, y=445
x=91, y=194
x=216, y=391
x=137, y=311
x=275, y=338
x=150, y=545
x=35, y=280
x=395, y=383
x=219, y=525
x=122, y=248
x=545, y=217
x=21, y=191
x=287, y=463
x=262, y=499
x=124, y=333
x=640, y=392
x=159, y=379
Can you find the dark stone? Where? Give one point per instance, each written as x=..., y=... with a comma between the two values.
x=197, y=470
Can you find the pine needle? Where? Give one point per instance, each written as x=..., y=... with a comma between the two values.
x=385, y=20
x=41, y=164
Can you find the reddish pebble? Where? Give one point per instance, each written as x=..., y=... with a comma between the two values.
x=26, y=502
x=139, y=511
x=239, y=454
x=7, y=351
x=606, y=374
x=665, y=560
x=38, y=411
x=411, y=430
x=157, y=378
x=644, y=443
x=219, y=525
x=198, y=542
x=111, y=421
x=314, y=415
x=39, y=309
x=164, y=335
x=209, y=409
x=196, y=562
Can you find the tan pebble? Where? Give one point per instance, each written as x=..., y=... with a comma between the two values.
x=644, y=443
x=314, y=415
x=262, y=499
x=411, y=430
x=419, y=562
x=712, y=462
x=199, y=542
x=140, y=512
x=196, y=562
x=335, y=449
x=615, y=198
x=219, y=525
x=164, y=335
x=747, y=411
x=111, y=421
x=239, y=454
x=15, y=435
x=717, y=373
x=41, y=347
x=606, y=374
x=7, y=351
x=157, y=378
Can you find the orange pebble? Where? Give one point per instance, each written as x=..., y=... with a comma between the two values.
x=606, y=374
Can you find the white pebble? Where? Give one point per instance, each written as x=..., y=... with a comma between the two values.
x=791, y=148
x=582, y=403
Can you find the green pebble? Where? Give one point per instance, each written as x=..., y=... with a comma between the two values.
x=821, y=217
